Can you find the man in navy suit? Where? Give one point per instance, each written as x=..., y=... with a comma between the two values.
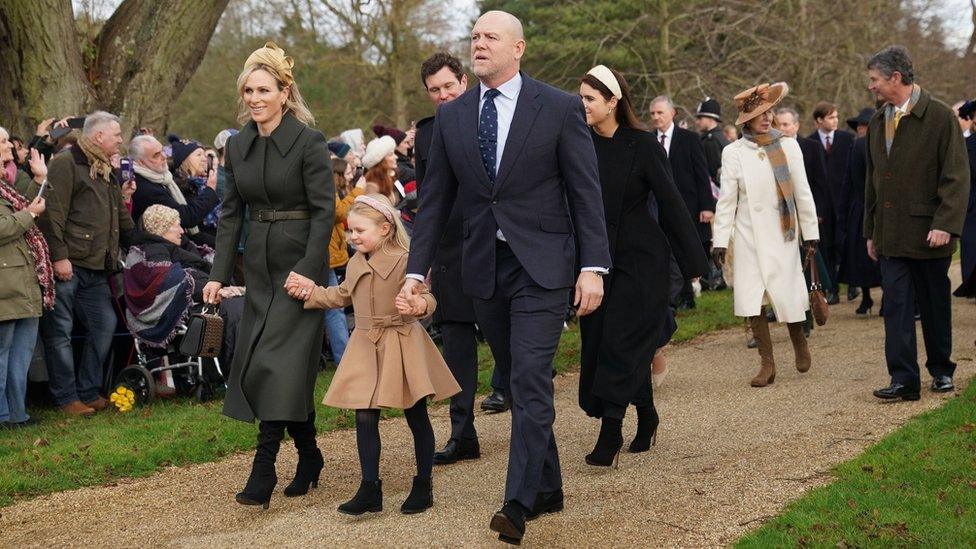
x=836, y=145
x=518, y=157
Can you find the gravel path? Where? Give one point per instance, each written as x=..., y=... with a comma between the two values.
x=728, y=457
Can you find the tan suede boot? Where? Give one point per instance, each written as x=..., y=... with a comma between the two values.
x=800, y=347
x=767, y=371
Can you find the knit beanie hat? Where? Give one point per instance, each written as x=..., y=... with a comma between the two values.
x=181, y=148
x=397, y=135
x=157, y=219
x=377, y=150
x=339, y=149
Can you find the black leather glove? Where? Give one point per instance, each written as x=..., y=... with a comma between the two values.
x=718, y=256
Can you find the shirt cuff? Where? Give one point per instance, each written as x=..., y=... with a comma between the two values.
x=421, y=278
x=598, y=270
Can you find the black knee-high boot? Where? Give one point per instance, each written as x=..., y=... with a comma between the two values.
x=263, y=479
x=310, y=460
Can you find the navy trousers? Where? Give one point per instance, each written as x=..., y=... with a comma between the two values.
x=906, y=282
x=522, y=323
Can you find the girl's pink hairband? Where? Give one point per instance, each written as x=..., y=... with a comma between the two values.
x=376, y=205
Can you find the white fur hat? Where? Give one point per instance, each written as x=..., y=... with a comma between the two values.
x=377, y=150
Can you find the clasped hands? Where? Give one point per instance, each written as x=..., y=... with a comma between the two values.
x=299, y=287
x=409, y=301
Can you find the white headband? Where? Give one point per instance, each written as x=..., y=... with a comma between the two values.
x=603, y=74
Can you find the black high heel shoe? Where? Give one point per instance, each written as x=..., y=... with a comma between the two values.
x=608, y=444
x=262, y=480
x=310, y=462
x=864, y=309
x=647, y=424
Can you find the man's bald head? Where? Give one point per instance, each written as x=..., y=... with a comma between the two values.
x=497, y=45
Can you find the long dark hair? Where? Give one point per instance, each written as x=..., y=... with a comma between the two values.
x=624, y=114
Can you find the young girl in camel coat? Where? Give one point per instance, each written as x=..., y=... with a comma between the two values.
x=390, y=362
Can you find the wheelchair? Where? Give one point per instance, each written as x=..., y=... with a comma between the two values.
x=189, y=373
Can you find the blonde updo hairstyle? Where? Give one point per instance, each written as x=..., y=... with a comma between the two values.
x=294, y=104
x=398, y=234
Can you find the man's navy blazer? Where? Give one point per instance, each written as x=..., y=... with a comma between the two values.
x=546, y=198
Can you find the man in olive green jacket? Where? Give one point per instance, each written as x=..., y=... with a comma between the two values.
x=915, y=199
x=85, y=219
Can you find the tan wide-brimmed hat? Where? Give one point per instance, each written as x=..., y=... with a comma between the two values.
x=759, y=99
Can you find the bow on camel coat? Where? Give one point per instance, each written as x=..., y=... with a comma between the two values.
x=390, y=361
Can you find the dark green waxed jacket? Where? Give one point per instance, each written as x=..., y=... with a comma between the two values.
x=921, y=185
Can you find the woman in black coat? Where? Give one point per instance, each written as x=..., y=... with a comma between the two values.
x=857, y=269
x=620, y=338
x=277, y=170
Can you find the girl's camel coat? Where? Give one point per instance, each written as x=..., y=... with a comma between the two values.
x=390, y=361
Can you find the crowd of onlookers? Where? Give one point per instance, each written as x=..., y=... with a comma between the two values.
x=92, y=232
x=104, y=212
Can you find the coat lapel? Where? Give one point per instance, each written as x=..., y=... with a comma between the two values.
x=525, y=112
x=468, y=130
x=384, y=260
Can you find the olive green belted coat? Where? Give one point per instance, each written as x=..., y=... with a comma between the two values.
x=279, y=342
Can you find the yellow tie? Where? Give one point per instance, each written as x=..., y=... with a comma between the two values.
x=898, y=115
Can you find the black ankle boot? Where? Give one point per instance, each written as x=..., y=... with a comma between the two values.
x=368, y=499
x=262, y=480
x=310, y=460
x=421, y=497
x=646, y=436
x=864, y=309
x=608, y=444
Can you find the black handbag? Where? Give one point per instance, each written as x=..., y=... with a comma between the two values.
x=204, y=334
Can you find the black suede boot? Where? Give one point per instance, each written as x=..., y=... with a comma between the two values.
x=261, y=482
x=310, y=460
x=421, y=497
x=368, y=499
x=646, y=436
x=608, y=444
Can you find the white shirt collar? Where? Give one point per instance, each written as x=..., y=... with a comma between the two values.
x=904, y=106
x=824, y=135
x=667, y=133
x=509, y=90
x=967, y=133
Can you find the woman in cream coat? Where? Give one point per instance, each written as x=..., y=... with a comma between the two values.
x=767, y=205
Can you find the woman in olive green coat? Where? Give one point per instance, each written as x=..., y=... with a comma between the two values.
x=279, y=182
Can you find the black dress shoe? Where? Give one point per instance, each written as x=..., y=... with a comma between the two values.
x=457, y=450
x=32, y=421
x=833, y=298
x=546, y=502
x=897, y=390
x=853, y=292
x=942, y=384
x=686, y=304
x=752, y=343
x=509, y=522
x=495, y=402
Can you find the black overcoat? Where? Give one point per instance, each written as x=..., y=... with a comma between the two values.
x=815, y=164
x=690, y=172
x=276, y=358
x=619, y=338
x=836, y=164
x=968, y=286
x=445, y=272
x=856, y=267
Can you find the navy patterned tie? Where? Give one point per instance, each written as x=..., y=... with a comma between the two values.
x=488, y=133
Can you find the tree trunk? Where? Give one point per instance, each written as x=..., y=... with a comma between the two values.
x=140, y=62
x=41, y=72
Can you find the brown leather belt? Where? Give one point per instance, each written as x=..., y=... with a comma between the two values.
x=270, y=216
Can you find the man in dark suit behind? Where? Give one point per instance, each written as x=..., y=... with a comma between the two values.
x=787, y=120
x=690, y=170
x=517, y=155
x=444, y=80
x=836, y=145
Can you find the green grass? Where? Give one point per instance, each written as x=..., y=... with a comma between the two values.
x=915, y=488
x=64, y=453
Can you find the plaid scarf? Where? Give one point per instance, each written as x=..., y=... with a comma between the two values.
x=781, y=172
x=891, y=120
x=100, y=165
x=37, y=245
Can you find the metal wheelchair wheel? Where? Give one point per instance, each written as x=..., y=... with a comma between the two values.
x=140, y=381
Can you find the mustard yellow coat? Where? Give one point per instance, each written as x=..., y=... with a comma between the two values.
x=390, y=361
